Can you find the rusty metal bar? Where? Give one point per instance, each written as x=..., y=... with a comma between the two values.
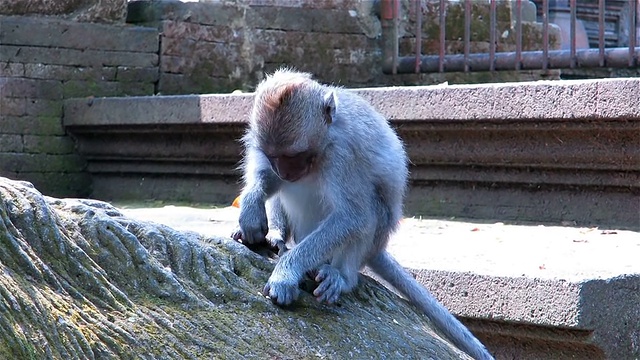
x=442, y=36
x=389, y=36
x=395, y=36
x=418, y=35
x=492, y=35
x=531, y=60
x=572, y=36
x=545, y=34
x=518, y=34
x=601, y=11
x=467, y=32
x=632, y=31
x=494, y=60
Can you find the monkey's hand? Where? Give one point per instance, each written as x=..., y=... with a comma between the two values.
x=253, y=225
x=282, y=289
x=331, y=284
x=276, y=240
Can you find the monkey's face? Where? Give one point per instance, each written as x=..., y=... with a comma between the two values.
x=292, y=167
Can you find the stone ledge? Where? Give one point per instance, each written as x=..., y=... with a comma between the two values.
x=605, y=99
x=542, y=151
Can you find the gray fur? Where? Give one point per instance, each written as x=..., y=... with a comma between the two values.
x=342, y=214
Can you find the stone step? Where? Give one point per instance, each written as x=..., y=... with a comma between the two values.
x=540, y=151
x=527, y=291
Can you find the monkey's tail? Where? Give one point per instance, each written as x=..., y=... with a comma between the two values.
x=389, y=269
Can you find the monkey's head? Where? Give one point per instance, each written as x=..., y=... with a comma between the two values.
x=290, y=122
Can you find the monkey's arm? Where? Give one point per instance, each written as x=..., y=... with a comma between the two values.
x=260, y=184
x=279, y=229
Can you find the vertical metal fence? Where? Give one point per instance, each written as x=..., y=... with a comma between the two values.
x=574, y=57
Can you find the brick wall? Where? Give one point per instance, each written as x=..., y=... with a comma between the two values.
x=183, y=48
x=44, y=61
x=223, y=46
x=211, y=47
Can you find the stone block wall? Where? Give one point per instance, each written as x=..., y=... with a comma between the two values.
x=223, y=46
x=46, y=60
x=173, y=47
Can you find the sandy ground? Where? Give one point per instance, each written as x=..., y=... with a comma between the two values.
x=496, y=249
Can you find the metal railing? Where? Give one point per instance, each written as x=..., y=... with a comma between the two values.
x=574, y=57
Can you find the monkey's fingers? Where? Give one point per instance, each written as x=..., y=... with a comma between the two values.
x=330, y=285
x=237, y=234
x=281, y=294
x=282, y=248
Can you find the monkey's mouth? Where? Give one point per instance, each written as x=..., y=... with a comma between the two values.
x=293, y=177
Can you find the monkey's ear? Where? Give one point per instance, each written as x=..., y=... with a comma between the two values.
x=330, y=102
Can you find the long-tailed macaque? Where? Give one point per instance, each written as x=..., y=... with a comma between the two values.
x=323, y=167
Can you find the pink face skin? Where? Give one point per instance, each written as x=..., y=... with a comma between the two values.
x=292, y=168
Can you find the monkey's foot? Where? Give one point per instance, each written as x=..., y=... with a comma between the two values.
x=281, y=292
x=331, y=284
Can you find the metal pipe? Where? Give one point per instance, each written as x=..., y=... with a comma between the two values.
x=418, y=35
x=518, y=34
x=395, y=36
x=389, y=42
x=467, y=32
x=632, y=32
x=601, y=11
x=572, y=36
x=492, y=35
x=442, y=36
x=545, y=34
x=531, y=60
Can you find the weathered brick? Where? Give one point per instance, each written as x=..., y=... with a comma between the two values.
x=184, y=84
x=177, y=47
x=42, y=107
x=36, y=125
x=40, y=89
x=42, y=144
x=51, y=32
x=21, y=162
x=199, y=32
x=11, y=69
x=308, y=4
x=62, y=72
x=212, y=59
x=299, y=19
x=132, y=74
x=81, y=88
x=210, y=13
x=135, y=88
x=10, y=143
x=61, y=56
x=13, y=106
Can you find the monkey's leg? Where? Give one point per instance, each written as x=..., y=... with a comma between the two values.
x=332, y=283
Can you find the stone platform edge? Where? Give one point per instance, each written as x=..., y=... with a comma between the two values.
x=568, y=99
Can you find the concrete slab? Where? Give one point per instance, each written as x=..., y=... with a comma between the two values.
x=528, y=291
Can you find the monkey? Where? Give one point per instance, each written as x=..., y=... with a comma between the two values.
x=323, y=168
